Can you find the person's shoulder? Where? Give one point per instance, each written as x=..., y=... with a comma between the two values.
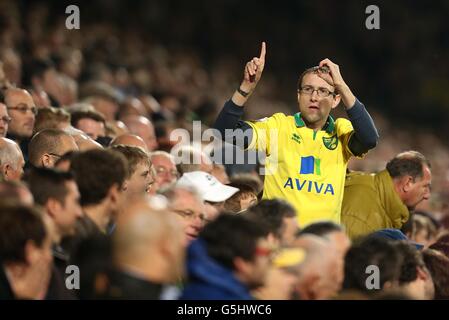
x=343, y=126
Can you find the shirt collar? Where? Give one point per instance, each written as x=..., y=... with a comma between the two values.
x=329, y=126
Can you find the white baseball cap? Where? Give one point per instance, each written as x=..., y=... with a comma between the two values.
x=209, y=188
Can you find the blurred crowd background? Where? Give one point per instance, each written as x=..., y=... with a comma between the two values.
x=176, y=61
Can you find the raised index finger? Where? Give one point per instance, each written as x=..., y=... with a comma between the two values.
x=263, y=50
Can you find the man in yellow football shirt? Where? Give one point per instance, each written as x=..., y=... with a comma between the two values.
x=307, y=153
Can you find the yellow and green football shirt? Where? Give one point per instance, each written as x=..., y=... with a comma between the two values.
x=305, y=167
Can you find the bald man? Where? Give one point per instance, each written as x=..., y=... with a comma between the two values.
x=5, y=119
x=129, y=139
x=142, y=127
x=22, y=110
x=148, y=253
x=48, y=146
x=11, y=160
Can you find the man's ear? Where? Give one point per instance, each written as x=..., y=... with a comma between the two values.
x=30, y=252
x=422, y=273
x=114, y=193
x=241, y=266
x=4, y=170
x=336, y=101
x=407, y=183
x=53, y=207
x=46, y=160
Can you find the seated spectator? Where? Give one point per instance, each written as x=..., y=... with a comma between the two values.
x=91, y=123
x=330, y=231
x=187, y=204
x=214, y=193
x=225, y=265
x=143, y=128
x=415, y=279
x=11, y=160
x=25, y=251
x=48, y=145
x=438, y=265
x=148, y=253
x=140, y=170
x=249, y=179
x=165, y=170
x=191, y=159
x=423, y=230
x=246, y=197
x=369, y=251
x=5, y=119
x=278, y=218
x=129, y=139
x=318, y=273
x=51, y=118
x=15, y=192
x=100, y=176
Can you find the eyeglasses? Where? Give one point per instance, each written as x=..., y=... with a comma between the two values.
x=163, y=171
x=190, y=215
x=23, y=108
x=6, y=119
x=55, y=155
x=322, y=92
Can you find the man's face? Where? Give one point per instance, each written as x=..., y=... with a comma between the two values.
x=190, y=212
x=259, y=267
x=20, y=107
x=315, y=109
x=290, y=227
x=419, y=190
x=4, y=120
x=92, y=128
x=141, y=180
x=146, y=132
x=70, y=211
x=15, y=171
x=165, y=169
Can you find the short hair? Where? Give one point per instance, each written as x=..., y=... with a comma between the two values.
x=47, y=184
x=163, y=154
x=76, y=116
x=228, y=237
x=133, y=155
x=193, y=154
x=35, y=68
x=411, y=261
x=50, y=118
x=438, y=266
x=45, y=141
x=19, y=224
x=270, y=215
x=249, y=179
x=321, y=228
x=371, y=251
x=407, y=163
x=314, y=70
x=96, y=171
x=233, y=203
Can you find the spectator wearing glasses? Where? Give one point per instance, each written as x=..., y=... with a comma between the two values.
x=308, y=169
x=22, y=110
x=166, y=173
x=5, y=119
x=48, y=146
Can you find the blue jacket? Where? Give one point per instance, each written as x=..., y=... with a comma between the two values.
x=208, y=280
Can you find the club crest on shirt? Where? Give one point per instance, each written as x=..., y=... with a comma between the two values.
x=331, y=142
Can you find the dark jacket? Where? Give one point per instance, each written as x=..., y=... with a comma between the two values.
x=208, y=280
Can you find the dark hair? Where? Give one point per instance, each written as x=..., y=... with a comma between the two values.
x=230, y=236
x=368, y=251
x=310, y=70
x=438, y=265
x=96, y=171
x=407, y=163
x=76, y=116
x=233, y=203
x=270, y=215
x=321, y=228
x=411, y=261
x=50, y=118
x=47, y=183
x=19, y=224
x=35, y=68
